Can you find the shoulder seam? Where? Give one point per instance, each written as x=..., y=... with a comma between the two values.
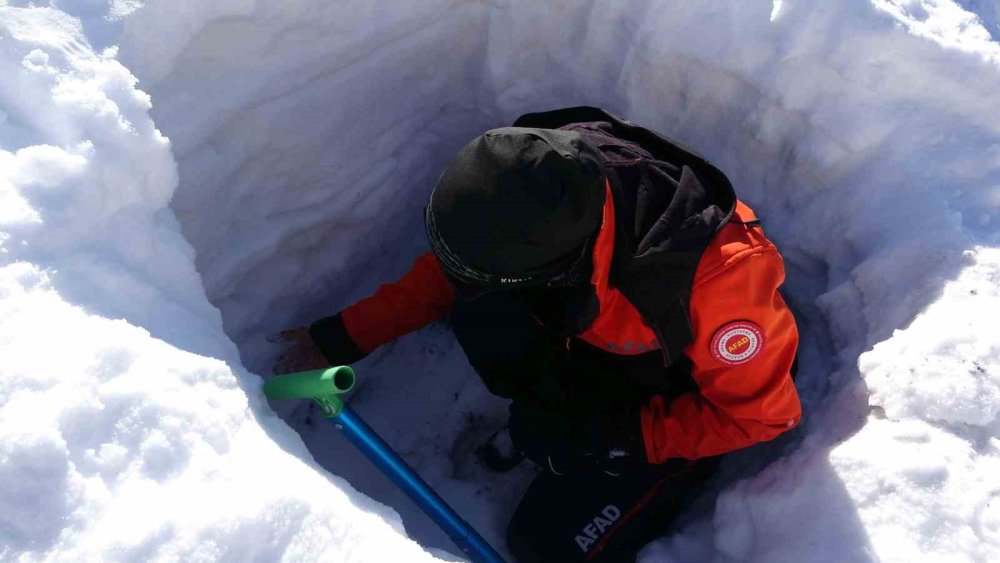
x=732, y=262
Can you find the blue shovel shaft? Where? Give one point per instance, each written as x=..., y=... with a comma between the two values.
x=389, y=463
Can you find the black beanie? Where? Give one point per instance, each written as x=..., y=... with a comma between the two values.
x=515, y=206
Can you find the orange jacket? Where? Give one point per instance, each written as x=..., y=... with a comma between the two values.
x=745, y=338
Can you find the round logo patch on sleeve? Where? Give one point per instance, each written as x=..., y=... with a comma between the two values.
x=737, y=342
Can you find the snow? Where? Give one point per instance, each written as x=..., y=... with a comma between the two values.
x=128, y=428
x=139, y=275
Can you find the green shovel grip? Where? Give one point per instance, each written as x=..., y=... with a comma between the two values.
x=321, y=385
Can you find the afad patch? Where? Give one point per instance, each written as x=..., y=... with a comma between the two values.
x=737, y=343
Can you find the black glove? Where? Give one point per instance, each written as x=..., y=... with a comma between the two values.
x=609, y=441
x=333, y=340
x=540, y=432
x=323, y=344
x=613, y=439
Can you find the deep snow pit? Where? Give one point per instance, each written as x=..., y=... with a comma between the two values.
x=307, y=136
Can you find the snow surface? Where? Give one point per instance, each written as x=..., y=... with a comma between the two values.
x=304, y=137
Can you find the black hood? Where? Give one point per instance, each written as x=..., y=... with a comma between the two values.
x=669, y=204
x=515, y=208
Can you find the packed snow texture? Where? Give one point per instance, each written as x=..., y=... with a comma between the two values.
x=304, y=137
x=128, y=428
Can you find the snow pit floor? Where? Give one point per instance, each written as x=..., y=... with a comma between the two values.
x=306, y=137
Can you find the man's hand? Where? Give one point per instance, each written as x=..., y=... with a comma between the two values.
x=300, y=354
x=614, y=438
x=540, y=433
x=610, y=442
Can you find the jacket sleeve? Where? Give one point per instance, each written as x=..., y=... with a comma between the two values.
x=739, y=404
x=419, y=298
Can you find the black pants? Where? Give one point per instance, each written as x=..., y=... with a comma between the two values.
x=591, y=517
x=596, y=517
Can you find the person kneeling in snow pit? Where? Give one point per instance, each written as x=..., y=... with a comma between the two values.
x=608, y=282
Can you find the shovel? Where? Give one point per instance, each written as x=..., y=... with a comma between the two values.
x=324, y=386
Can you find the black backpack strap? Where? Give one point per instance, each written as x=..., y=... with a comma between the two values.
x=656, y=273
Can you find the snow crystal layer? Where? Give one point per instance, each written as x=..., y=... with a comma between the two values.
x=307, y=135
x=128, y=428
